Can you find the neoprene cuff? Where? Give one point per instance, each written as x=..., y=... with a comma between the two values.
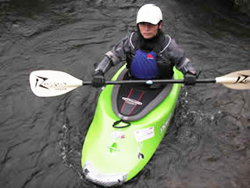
x=113, y=58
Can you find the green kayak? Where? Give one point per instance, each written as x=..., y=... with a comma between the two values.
x=129, y=124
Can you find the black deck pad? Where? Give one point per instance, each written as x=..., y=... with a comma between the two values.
x=134, y=101
x=131, y=99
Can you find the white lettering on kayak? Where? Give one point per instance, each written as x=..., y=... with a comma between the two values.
x=131, y=101
x=144, y=134
x=165, y=125
x=117, y=135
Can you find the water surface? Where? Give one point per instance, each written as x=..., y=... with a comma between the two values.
x=208, y=141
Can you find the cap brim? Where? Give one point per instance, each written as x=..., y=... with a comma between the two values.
x=153, y=22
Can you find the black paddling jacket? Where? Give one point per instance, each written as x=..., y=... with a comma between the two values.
x=169, y=54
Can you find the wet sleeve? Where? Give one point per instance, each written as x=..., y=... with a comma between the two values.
x=118, y=52
x=177, y=56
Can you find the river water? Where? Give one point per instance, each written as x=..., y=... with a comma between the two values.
x=207, y=144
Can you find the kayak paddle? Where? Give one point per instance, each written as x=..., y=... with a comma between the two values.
x=49, y=83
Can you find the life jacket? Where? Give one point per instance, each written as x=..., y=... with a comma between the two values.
x=143, y=65
x=149, y=64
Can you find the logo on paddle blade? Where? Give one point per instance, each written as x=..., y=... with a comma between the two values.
x=131, y=101
x=39, y=82
x=43, y=82
x=243, y=79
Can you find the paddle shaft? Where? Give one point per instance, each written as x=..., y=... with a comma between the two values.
x=163, y=81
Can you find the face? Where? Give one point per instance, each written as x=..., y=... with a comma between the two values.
x=148, y=30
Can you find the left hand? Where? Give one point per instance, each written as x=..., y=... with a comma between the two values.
x=190, y=78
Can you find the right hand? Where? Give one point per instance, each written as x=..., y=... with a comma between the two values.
x=98, y=79
x=190, y=78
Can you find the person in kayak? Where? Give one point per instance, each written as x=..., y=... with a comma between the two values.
x=148, y=52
